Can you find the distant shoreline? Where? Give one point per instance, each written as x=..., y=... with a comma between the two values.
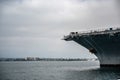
x=47, y=59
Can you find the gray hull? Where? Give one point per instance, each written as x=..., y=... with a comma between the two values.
x=105, y=45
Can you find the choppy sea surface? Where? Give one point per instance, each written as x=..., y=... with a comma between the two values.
x=56, y=70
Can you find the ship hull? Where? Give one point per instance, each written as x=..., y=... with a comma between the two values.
x=105, y=46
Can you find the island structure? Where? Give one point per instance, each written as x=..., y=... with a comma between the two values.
x=105, y=44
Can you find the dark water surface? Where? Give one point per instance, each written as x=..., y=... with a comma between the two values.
x=56, y=70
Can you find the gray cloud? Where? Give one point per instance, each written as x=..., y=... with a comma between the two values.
x=35, y=27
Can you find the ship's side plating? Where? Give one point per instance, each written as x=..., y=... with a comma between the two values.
x=105, y=45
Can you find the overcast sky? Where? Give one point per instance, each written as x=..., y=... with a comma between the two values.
x=35, y=27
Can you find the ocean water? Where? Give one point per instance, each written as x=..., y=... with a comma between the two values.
x=56, y=70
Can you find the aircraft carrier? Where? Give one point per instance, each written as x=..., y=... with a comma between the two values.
x=105, y=44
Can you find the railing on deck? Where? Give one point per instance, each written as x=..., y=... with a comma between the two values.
x=93, y=32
